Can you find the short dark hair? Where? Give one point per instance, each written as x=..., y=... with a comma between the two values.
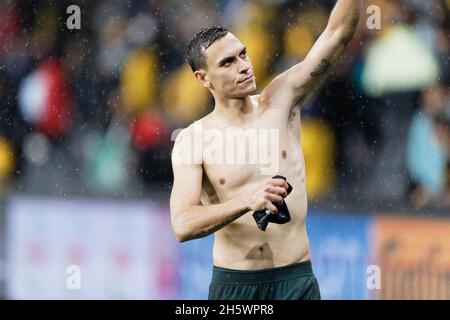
x=202, y=40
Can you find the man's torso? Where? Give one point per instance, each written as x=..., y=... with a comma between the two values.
x=272, y=147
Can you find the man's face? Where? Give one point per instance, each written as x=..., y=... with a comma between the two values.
x=230, y=71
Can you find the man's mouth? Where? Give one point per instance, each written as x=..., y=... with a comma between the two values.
x=246, y=79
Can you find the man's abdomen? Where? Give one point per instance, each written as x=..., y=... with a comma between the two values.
x=242, y=245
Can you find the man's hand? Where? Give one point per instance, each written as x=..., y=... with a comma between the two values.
x=270, y=192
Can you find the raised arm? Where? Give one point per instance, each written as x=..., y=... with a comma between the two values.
x=190, y=219
x=296, y=84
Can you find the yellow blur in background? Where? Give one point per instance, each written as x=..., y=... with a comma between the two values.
x=7, y=161
x=139, y=78
x=184, y=99
x=318, y=149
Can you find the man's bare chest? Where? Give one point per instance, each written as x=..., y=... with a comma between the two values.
x=240, y=156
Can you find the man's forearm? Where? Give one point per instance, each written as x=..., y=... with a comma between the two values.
x=200, y=221
x=344, y=18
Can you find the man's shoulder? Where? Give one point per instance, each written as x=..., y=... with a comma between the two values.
x=192, y=135
x=187, y=133
x=188, y=148
x=197, y=124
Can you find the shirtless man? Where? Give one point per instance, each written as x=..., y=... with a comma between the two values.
x=210, y=197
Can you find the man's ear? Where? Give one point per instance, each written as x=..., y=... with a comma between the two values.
x=202, y=78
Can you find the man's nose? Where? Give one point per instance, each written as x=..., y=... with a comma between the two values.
x=243, y=66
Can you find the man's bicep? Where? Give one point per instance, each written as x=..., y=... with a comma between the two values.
x=187, y=184
x=306, y=76
x=293, y=86
x=187, y=173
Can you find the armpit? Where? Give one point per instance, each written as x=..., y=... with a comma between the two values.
x=322, y=69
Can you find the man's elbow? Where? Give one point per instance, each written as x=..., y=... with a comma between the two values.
x=181, y=234
x=181, y=238
x=181, y=231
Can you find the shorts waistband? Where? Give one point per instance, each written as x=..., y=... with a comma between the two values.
x=265, y=275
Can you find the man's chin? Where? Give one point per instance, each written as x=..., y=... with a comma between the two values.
x=239, y=94
x=253, y=90
x=250, y=90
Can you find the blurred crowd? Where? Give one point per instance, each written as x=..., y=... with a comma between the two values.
x=92, y=111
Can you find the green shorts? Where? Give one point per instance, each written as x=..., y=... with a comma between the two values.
x=291, y=282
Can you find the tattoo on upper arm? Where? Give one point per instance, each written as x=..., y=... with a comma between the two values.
x=322, y=68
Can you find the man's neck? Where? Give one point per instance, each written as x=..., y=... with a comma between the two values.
x=234, y=111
